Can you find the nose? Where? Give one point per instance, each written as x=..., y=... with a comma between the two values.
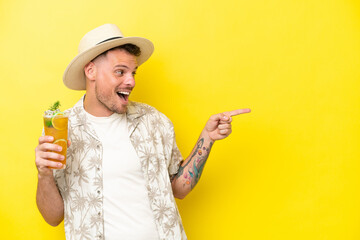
x=130, y=80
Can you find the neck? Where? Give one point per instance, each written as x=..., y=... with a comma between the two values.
x=94, y=107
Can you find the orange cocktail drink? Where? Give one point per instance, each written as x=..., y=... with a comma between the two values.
x=56, y=125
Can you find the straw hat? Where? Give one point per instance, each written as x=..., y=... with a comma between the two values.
x=96, y=42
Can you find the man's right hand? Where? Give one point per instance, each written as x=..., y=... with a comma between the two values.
x=48, y=198
x=43, y=155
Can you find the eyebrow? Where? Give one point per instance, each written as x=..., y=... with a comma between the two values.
x=124, y=66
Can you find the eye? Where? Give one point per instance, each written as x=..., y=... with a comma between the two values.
x=134, y=73
x=119, y=72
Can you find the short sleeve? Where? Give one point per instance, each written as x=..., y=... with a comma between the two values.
x=175, y=155
x=176, y=160
x=170, y=150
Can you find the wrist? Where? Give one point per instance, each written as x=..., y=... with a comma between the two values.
x=206, y=135
x=45, y=176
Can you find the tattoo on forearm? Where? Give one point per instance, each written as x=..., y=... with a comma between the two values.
x=195, y=164
x=198, y=146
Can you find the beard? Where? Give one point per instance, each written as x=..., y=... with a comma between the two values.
x=110, y=101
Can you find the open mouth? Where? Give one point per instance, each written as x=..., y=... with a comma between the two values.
x=124, y=95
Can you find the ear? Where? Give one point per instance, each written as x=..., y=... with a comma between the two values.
x=90, y=71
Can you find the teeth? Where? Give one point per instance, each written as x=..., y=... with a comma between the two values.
x=124, y=93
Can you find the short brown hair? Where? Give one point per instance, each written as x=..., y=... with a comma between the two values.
x=130, y=48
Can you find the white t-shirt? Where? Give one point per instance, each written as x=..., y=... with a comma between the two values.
x=127, y=212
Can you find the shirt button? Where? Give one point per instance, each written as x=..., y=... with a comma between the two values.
x=98, y=192
x=99, y=213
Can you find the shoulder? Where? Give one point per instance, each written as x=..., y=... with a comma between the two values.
x=148, y=112
x=76, y=113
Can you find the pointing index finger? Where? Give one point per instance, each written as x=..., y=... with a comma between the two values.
x=238, y=112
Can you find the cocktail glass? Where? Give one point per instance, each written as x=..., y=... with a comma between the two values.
x=56, y=125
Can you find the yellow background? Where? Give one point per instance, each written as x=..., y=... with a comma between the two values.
x=290, y=170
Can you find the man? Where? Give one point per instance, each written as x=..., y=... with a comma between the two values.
x=123, y=165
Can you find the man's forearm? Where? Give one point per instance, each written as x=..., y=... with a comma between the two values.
x=49, y=200
x=191, y=169
x=216, y=128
